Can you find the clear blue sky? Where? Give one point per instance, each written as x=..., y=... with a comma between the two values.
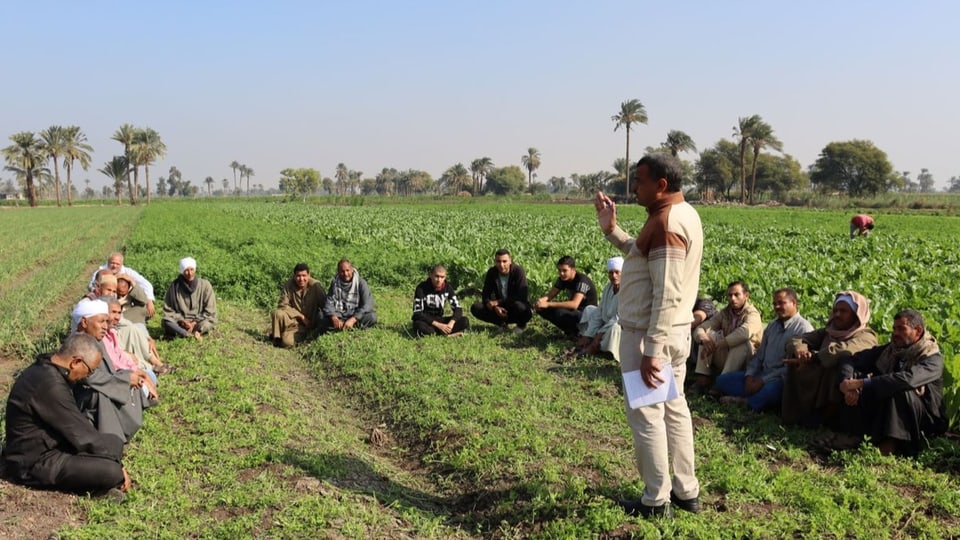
x=425, y=85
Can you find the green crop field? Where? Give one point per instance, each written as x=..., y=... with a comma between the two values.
x=377, y=435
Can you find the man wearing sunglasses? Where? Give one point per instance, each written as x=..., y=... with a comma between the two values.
x=49, y=442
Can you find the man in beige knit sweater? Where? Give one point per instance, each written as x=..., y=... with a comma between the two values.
x=659, y=285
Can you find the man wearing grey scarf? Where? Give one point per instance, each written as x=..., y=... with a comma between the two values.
x=349, y=301
x=894, y=393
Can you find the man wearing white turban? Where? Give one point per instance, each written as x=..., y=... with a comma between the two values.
x=600, y=325
x=190, y=306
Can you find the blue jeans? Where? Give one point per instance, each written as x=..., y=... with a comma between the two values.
x=732, y=384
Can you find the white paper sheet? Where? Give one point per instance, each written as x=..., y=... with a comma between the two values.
x=641, y=395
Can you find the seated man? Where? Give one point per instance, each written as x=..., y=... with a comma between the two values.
x=298, y=308
x=729, y=338
x=505, y=299
x=190, y=306
x=121, y=359
x=581, y=293
x=349, y=301
x=810, y=394
x=894, y=392
x=49, y=442
x=429, y=299
x=111, y=398
x=860, y=225
x=600, y=326
x=761, y=385
x=132, y=327
x=703, y=309
x=133, y=299
x=114, y=265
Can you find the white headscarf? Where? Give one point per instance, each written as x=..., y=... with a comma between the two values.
x=187, y=262
x=614, y=263
x=88, y=308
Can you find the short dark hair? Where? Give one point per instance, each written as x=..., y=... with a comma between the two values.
x=740, y=283
x=301, y=267
x=567, y=260
x=664, y=166
x=870, y=226
x=344, y=260
x=912, y=316
x=789, y=292
x=502, y=251
x=436, y=268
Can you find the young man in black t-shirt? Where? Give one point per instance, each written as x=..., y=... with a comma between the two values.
x=581, y=293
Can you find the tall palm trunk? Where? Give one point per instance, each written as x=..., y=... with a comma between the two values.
x=743, y=171
x=627, y=194
x=133, y=196
x=753, y=171
x=31, y=188
x=56, y=177
x=68, y=167
x=146, y=174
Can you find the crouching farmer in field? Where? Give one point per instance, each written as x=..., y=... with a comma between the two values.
x=298, y=308
x=49, y=442
x=190, y=306
x=894, y=393
x=761, y=385
x=349, y=301
x=600, y=325
x=429, y=300
x=810, y=394
x=505, y=297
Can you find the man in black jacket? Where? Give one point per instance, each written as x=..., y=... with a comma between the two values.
x=49, y=442
x=894, y=392
x=505, y=298
x=429, y=300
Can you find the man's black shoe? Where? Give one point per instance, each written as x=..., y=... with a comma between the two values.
x=687, y=505
x=636, y=508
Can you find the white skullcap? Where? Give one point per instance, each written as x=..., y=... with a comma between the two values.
x=187, y=262
x=615, y=263
x=88, y=308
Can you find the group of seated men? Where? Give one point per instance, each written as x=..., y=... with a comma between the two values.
x=70, y=414
x=837, y=376
x=305, y=309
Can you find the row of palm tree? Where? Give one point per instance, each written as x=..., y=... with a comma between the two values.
x=752, y=131
x=244, y=172
x=29, y=153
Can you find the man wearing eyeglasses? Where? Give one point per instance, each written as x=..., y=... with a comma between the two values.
x=49, y=442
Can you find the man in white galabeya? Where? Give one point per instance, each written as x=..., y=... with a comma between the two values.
x=659, y=285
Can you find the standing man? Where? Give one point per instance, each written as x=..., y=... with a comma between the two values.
x=581, y=292
x=114, y=265
x=49, y=442
x=860, y=225
x=190, y=306
x=429, y=300
x=659, y=285
x=505, y=294
x=298, y=308
x=349, y=301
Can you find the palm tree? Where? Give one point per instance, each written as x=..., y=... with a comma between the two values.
x=235, y=165
x=147, y=149
x=54, y=146
x=226, y=186
x=480, y=168
x=209, y=181
x=761, y=136
x=531, y=162
x=248, y=172
x=678, y=141
x=342, y=174
x=631, y=112
x=455, y=177
x=117, y=169
x=75, y=149
x=24, y=157
x=125, y=136
x=744, y=131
